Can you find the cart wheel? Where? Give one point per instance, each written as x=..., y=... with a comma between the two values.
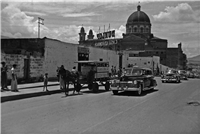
x=95, y=87
x=107, y=86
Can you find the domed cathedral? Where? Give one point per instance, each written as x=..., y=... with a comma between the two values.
x=138, y=23
x=138, y=41
x=138, y=37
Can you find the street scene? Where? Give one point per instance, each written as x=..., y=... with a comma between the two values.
x=100, y=67
x=170, y=108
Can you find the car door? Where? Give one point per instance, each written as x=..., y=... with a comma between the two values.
x=148, y=77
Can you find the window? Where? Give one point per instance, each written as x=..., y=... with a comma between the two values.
x=135, y=29
x=147, y=30
x=141, y=29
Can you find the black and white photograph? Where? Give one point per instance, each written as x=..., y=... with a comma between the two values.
x=100, y=67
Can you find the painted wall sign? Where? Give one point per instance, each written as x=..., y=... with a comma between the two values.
x=106, y=43
x=83, y=50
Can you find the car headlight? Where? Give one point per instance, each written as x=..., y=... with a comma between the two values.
x=134, y=82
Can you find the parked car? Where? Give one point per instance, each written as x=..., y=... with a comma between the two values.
x=183, y=74
x=134, y=79
x=190, y=74
x=171, y=76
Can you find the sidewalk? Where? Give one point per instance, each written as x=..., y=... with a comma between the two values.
x=31, y=90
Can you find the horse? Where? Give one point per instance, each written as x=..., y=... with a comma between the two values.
x=70, y=77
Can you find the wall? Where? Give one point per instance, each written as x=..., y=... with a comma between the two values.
x=107, y=55
x=36, y=64
x=145, y=62
x=59, y=53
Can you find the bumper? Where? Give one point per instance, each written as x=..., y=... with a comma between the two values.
x=170, y=80
x=124, y=88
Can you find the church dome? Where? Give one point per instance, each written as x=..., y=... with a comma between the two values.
x=138, y=16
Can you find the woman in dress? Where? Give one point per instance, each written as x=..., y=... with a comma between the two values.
x=14, y=79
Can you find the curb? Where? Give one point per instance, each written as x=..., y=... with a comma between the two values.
x=31, y=95
x=27, y=95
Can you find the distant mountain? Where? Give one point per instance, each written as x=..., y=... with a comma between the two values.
x=4, y=37
x=195, y=59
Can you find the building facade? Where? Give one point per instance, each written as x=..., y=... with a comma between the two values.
x=139, y=38
x=35, y=57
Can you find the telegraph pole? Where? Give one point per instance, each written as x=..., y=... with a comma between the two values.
x=40, y=21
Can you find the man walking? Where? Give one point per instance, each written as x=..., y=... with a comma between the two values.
x=4, y=71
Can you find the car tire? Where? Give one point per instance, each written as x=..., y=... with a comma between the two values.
x=95, y=87
x=139, y=92
x=163, y=81
x=107, y=86
x=115, y=92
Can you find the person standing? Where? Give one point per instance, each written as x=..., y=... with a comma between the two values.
x=14, y=79
x=90, y=77
x=4, y=71
x=45, y=82
x=62, y=77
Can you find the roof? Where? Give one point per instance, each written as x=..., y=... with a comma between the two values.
x=138, y=16
x=90, y=61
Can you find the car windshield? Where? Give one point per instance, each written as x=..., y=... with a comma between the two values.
x=182, y=72
x=172, y=71
x=169, y=74
x=137, y=72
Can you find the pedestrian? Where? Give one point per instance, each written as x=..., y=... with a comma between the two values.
x=115, y=70
x=90, y=77
x=4, y=71
x=14, y=79
x=112, y=71
x=62, y=77
x=45, y=82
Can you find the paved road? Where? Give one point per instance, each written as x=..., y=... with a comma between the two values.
x=163, y=111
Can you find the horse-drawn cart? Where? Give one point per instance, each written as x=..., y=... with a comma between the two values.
x=94, y=73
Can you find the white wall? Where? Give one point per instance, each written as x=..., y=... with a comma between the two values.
x=59, y=53
x=107, y=55
x=146, y=62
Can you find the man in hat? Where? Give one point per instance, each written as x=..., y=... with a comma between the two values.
x=4, y=71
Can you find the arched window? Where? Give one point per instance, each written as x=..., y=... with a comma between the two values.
x=135, y=29
x=147, y=29
x=141, y=29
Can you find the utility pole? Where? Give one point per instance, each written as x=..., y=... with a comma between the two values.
x=40, y=21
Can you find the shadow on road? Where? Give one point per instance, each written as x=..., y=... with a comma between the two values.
x=98, y=92
x=133, y=93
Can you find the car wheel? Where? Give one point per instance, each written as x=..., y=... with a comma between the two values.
x=115, y=92
x=140, y=90
x=95, y=87
x=163, y=81
x=107, y=86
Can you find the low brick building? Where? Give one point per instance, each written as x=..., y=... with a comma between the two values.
x=34, y=56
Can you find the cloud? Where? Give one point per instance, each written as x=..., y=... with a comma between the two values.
x=35, y=13
x=79, y=14
x=120, y=31
x=181, y=13
x=15, y=21
x=191, y=52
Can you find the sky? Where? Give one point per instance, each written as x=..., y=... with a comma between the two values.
x=177, y=21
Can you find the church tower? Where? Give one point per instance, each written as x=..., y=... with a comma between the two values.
x=90, y=36
x=82, y=35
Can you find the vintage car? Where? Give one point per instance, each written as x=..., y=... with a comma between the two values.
x=134, y=79
x=183, y=74
x=171, y=76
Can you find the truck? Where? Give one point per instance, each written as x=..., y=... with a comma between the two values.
x=100, y=72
